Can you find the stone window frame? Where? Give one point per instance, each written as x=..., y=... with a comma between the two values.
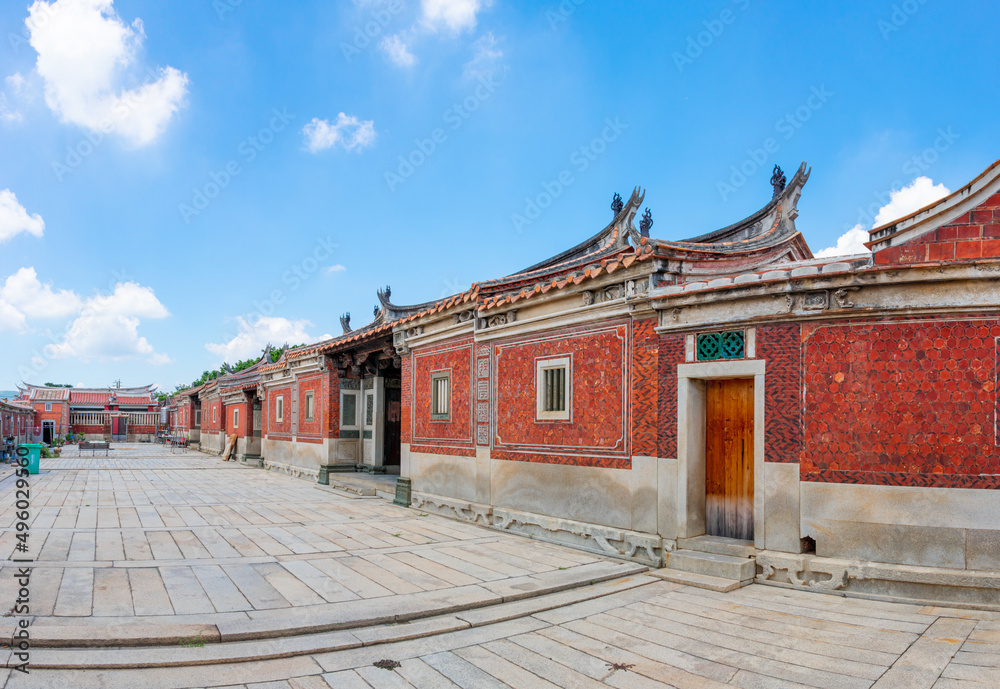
x=310, y=406
x=279, y=409
x=215, y=413
x=236, y=417
x=436, y=376
x=48, y=406
x=356, y=394
x=542, y=365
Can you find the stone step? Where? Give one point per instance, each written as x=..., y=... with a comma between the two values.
x=725, y=566
x=718, y=545
x=701, y=581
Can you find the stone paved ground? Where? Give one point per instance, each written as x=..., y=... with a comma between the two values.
x=181, y=571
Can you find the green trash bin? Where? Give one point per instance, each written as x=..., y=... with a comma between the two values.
x=34, y=455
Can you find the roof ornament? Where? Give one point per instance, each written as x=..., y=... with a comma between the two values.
x=375, y=312
x=646, y=224
x=345, y=322
x=778, y=181
x=617, y=204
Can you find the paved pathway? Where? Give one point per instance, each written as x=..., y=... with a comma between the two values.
x=179, y=572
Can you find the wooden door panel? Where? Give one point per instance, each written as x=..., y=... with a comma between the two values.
x=729, y=459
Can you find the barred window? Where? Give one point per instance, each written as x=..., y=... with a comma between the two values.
x=310, y=405
x=554, y=389
x=441, y=396
x=279, y=408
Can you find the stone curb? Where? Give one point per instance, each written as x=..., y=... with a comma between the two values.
x=265, y=648
x=283, y=622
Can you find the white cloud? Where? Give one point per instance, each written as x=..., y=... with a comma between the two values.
x=14, y=219
x=159, y=360
x=27, y=294
x=15, y=81
x=11, y=320
x=914, y=196
x=331, y=270
x=456, y=15
x=108, y=326
x=397, y=50
x=485, y=55
x=348, y=131
x=911, y=198
x=85, y=52
x=6, y=113
x=253, y=337
x=849, y=243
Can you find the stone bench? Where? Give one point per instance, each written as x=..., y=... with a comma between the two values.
x=94, y=447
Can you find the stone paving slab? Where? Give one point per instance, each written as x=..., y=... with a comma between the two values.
x=229, y=555
x=149, y=545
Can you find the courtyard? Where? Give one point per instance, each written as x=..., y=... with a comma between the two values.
x=175, y=569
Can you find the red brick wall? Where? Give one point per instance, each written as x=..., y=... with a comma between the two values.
x=645, y=388
x=241, y=430
x=902, y=403
x=781, y=346
x=273, y=427
x=407, y=387
x=311, y=430
x=59, y=416
x=211, y=415
x=968, y=237
x=671, y=355
x=454, y=437
x=329, y=406
x=598, y=432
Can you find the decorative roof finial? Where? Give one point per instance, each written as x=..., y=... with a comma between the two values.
x=646, y=223
x=617, y=204
x=778, y=181
x=345, y=322
x=375, y=312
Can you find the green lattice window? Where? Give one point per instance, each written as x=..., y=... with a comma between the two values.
x=724, y=345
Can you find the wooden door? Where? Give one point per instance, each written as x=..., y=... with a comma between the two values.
x=729, y=459
x=393, y=418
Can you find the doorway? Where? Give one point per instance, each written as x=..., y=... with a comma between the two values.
x=729, y=458
x=48, y=432
x=393, y=418
x=119, y=428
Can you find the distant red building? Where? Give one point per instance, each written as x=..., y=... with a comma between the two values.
x=124, y=414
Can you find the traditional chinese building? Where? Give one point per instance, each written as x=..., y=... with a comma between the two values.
x=335, y=406
x=124, y=414
x=729, y=404
x=16, y=422
x=184, y=414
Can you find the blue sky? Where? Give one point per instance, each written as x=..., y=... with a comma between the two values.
x=184, y=181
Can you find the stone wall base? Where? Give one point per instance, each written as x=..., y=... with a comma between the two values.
x=292, y=470
x=631, y=545
x=899, y=583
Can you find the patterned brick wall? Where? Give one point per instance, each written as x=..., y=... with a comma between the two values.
x=598, y=432
x=970, y=236
x=407, y=387
x=645, y=388
x=781, y=346
x=671, y=355
x=311, y=384
x=328, y=405
x=239, y=430
x=902, y=403
x=455, y=436
x=274, y=428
